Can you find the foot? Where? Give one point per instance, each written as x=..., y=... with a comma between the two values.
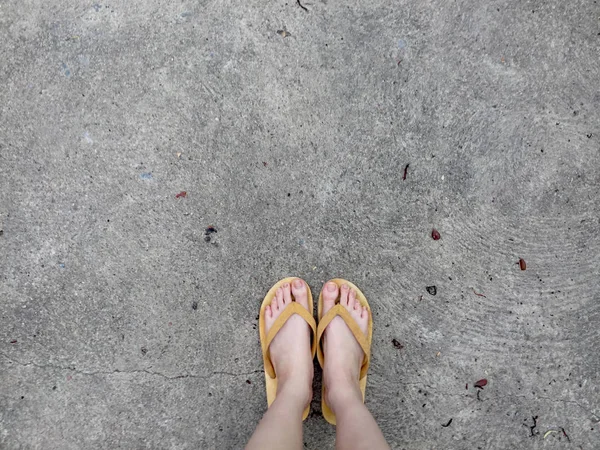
x=290, y=349
x=343, y=355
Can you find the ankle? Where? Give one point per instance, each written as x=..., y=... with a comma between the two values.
x=295, y=389
x=342, y=394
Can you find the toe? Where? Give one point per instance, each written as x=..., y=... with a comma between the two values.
x=274, y=307
x=330, y=294
x=268, y=316
x=363, y=319
x=287, y=293
x=352, y=303
x=300, y=292
x=344, y=296
x=279, y=298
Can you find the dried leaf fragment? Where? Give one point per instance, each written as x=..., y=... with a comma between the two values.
x=481, y=383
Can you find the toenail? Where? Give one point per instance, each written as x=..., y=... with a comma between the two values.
x=345, y=286
x=331, y=286
x=285, y=285
x=297, y=284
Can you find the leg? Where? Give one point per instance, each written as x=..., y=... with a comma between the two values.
x=281, y=426
x=356, y=428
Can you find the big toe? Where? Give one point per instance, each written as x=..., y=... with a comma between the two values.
x=300, y=292
x=330, y=295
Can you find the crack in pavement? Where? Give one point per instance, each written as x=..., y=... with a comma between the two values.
x=132, y=371
x=234, y=374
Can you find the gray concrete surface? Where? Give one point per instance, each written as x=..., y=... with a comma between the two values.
x=294, y=148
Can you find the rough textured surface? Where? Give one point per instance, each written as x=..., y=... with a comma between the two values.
x=294, y=149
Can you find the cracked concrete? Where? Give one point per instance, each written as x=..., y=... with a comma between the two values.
x=147, y=371
x=126, y=322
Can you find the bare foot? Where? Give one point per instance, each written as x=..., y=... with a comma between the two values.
x=290, y=349
x=343, y=355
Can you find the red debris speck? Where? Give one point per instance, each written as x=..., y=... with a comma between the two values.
x=435, y=234
x=265, y=163
x=406, y=166
x=522, y=264
x=467, y=386
x=69, y=377
x=181, y=194
x=478, y=294
x=14, y=341
x=481, y=383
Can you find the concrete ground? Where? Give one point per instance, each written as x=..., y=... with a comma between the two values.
x=125, y=324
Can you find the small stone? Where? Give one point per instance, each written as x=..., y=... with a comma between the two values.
x=432, y=290
x=397, y=344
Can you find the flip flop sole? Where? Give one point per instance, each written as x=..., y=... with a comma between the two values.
x=327, y=412
x=271, y=383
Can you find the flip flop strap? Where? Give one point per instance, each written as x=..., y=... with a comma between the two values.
x=339, y=310
x=289, y=311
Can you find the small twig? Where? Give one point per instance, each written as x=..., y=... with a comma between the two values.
x=478, y=398
x=405, y=167
x=565, y=434
x=301, y=5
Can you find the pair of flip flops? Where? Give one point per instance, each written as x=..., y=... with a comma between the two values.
x=317, y=335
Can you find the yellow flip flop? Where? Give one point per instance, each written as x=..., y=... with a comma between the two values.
x=364, y=341
x=266, y=339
